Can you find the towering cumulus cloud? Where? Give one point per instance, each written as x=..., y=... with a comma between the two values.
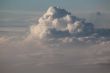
x=59, y=23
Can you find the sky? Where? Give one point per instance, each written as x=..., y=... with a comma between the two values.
x=34, y=5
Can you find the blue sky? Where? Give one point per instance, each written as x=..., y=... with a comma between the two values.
x=34, y=5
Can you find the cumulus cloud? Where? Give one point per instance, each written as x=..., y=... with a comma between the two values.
x=57, y=22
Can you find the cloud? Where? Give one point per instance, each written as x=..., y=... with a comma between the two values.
x=59, y=29
x=58, y=39
x=3, y=40
x=99, y=54
x=57, y=22
x=43, y=53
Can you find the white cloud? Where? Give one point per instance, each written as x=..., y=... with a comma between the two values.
x=58, y=21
